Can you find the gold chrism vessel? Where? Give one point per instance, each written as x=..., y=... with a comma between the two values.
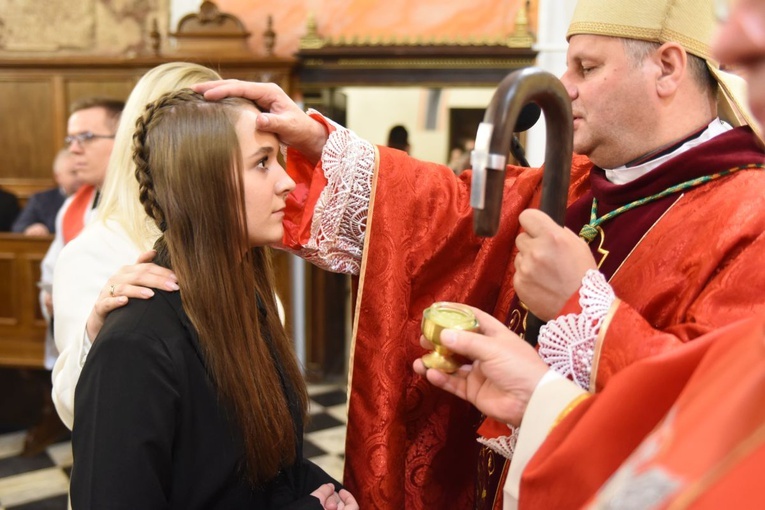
x=436, y=318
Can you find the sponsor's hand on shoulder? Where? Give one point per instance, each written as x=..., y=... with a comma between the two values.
x=134, y=281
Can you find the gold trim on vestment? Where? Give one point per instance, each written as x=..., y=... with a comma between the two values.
x=607, y=321
x=362, y=272
x=570, y=407
x=688, y=495
x=644, y=235
x=599, y=342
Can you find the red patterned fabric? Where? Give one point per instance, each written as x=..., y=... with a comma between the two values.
x=684, y=265
x=410, y=445
x=696, y=410
x=698, y=269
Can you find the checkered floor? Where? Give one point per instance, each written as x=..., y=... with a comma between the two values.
x=41, y=482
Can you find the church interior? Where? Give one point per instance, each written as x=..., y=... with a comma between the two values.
x=429, y=65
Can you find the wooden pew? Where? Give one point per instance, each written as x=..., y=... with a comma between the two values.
x=22, y=326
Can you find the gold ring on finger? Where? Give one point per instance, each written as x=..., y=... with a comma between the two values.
x=111, y=291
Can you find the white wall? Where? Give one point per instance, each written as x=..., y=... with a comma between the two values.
x=554, y=18
x=372, y=111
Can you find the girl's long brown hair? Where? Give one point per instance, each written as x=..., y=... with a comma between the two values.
x=188, y=165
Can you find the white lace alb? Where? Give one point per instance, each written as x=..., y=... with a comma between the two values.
x=567, y=344
x=340, y=216
x=503, y=445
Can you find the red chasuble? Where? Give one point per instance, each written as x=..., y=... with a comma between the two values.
x=412, y=446
x=687, y=264
x=686, y=428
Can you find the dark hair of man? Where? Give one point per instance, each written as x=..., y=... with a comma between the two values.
x=181, y=147
x=638, y=50
x=112, y=107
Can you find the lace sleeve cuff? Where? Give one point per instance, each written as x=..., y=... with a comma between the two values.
x=567, y=344
x=339, y=218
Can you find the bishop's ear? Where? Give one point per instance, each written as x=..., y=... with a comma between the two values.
x=672, y=62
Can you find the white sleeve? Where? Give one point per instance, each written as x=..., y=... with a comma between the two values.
x=83, y=268
x=51, y=256
x=550, y=398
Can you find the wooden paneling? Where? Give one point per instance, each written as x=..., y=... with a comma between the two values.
x=109, y=85
x=339, y=65
x=22, y=327
x=28, y=142
x=35, y=96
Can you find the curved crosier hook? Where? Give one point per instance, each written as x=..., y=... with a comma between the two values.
x=492, y=144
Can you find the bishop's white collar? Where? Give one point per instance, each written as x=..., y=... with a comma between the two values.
x=624, y=175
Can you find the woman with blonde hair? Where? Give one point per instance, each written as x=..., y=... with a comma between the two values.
x=194, y=399
x=119, y=235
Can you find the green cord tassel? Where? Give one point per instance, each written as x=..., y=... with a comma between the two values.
x=588, y=233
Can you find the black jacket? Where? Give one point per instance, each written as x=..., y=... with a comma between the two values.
x=9, y=209
x=42, y=208
x=149, y=431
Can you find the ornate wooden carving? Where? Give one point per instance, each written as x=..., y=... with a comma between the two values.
x=211, y=30
x=413, y=60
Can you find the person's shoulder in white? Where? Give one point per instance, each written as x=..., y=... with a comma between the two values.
x=83, y=267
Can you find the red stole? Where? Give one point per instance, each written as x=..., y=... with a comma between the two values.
x=74, y=217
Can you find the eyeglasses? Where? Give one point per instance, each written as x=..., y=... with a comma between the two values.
x=83, y=138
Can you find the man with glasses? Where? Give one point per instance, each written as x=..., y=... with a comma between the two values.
x=90, y=138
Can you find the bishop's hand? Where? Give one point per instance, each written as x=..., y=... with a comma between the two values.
x=503, y=374
x=550, y=264
x=284, y=117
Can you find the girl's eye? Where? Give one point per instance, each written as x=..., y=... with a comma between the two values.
x=263, y=163
x=586, y=70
